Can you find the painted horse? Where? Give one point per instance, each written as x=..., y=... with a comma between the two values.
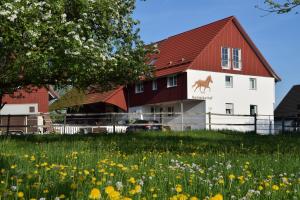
x=203, y=84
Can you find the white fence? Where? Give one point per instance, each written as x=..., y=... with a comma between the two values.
x=119, y=122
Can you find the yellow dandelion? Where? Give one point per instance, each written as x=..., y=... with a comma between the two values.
x=20, y=194
x=178, y=188
x=275, y=187
x=194, y=198
x=95, y=194
x=231, y=177
x=217, y=197
x=109, y=189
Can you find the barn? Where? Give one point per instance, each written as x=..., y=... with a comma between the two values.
x=215, y=68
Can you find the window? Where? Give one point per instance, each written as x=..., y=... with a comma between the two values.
x=253, y=109
x=172, y=81
x=170, y=111
x=31, y=109
x=229, y=108
x=253, y=83
x=237, y=58
x=154, y=85
x=139, y=88
x=225, y=57
x=153, y=61
x=298, y=106
x=229, y=81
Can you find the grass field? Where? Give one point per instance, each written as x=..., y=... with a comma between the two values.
x=191, y=165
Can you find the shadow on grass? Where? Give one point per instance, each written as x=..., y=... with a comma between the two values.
x=189, y=142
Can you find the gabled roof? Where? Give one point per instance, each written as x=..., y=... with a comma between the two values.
x=288, y=107
x=177, y=52
x=77, y=98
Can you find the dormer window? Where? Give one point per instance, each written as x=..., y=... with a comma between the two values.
x=237, y=58
x=225, y=54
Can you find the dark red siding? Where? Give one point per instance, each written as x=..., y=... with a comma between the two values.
x=210, y=58
x=162, y=94
x=39, y=96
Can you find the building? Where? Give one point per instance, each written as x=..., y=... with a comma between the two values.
x=26, y=109
x=287, y=113
x=290, y=105
x=215, y=68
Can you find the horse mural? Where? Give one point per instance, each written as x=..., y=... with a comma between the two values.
x=203, y=84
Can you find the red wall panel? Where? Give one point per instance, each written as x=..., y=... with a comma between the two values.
x=162, y=94
x=210, y=58
x=39, y=96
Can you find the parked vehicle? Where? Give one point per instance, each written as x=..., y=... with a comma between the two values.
x=144, y=125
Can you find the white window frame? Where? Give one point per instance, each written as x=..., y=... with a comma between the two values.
x=250, y=83
x=231, y=82
x=237, y=64
x=172, y=81
x=139, y=88
x=228, y=66
x=154, y=85
x=227, y=105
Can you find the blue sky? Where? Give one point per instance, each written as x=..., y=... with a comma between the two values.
x=277, y=36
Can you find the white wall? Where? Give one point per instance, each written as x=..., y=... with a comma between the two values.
x=240, y=95
x=18, y=109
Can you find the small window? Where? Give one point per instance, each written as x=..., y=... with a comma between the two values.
x=153, y=61
x=229, y=108
x=237, y=58
x=154, y=85
x=253, y=109
x=229, y=81
x=172, y=81
x=170, y=111
x=253, y=84
x=225, y=54
x=139, y=88
x=31, y=109
x=298, y=106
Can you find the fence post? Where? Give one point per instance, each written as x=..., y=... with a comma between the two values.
x=181, y=108
x=209, y=121
x=283, y=125
x=114, y=122
x=255, y=123
x=65, y=122
x=8, y=125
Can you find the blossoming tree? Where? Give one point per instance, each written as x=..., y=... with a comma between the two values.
x=69, y=42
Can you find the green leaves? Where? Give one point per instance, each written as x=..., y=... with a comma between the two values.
x=69, y=42
x=281, y=7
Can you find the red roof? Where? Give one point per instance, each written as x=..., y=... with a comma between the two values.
x=177, y=52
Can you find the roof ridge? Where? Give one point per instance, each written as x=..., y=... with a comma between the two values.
x=214, y=22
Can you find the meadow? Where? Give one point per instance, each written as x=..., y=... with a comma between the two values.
x=188, y=165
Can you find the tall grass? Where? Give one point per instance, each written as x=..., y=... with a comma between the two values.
x=188, y=165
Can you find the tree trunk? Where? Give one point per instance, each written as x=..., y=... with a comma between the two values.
x=2, y=104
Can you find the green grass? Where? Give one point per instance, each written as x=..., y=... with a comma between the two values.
x=199, y=163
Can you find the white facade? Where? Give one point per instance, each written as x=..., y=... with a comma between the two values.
x=19, y=109
x=207, y=92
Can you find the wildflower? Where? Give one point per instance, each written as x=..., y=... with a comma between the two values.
x=194, y=198
x=178, y=188
x=20, y=195
x=260, y=188
x=109, y=189
x=275, y=187
x=231, y=177
x=217, y=197
x=95, y=194
x=131, y=180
